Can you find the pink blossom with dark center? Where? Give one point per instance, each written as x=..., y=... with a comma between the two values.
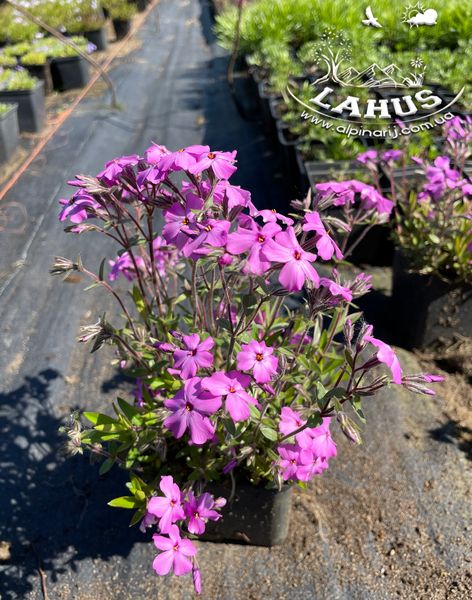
x=258, y=358
x=193, y=356
x=167, y=508
x=325, y=245
x=212, y=233
x=297, y=263
x=174, y=555
x=183, y=159
x=190, y=408
x=179, y=220
x=272, y=216
x=221, y=163
x=387, y=356
x=253, y=238
x=232, y=386
x=199, y=511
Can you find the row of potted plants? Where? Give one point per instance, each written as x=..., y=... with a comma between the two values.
x=248, y=362
x=84, y=17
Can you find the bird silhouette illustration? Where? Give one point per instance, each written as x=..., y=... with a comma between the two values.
x=371, y=21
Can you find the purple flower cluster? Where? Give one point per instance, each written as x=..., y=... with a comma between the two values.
x=172, y=512
x=309, y=454
x=440, y=178
x=347, y=192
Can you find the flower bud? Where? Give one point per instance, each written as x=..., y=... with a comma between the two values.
x=349, y=428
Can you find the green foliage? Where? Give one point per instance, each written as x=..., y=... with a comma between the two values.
x=11, y=80
x=7, y=61
x=34, y=58
x=120, y=9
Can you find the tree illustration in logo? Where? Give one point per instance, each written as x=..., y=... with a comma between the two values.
x=332, y=50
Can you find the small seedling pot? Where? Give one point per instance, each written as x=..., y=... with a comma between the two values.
x=122, y=27
x=42, y=72
x=428, y=309
x=98, y=38
x=255, y=516
x=9, y=133
x=31, y=107
x=69, y=72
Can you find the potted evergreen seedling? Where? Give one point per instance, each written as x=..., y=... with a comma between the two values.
x=37, y=65
x=18, y=87
x=121, y=13
x=8, y=131
x=248, y=363
x=68, y=69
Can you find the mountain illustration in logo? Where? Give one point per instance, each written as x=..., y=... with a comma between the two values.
x=375, y=76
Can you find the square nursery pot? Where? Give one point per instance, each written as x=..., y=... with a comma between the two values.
x=141, y=5
x=428, y=309
x=8, y=133
x=43, y=73
x=69, y=72
x=255, y=516
x=31, y=108
x=122, y=27
x=98, y=38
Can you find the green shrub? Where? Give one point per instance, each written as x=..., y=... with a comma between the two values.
x=120, y=9
x=7, y=61
x=11, y=80
x=34, y=59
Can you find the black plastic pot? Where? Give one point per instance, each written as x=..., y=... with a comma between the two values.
x=9, y=133
x=98, y=38
x=338, y=170
x=69, y=73
x=428, y=309
x=122, y=27
x=31, y=108
x=141, y=5
x=42, y=72
x=255, y=516
x=265, y=97
x=287, y=145
x=375, y=249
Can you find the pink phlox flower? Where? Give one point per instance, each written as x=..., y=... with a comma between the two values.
x=179, y=219
x=325, y=245
x=155, y=152
x=232, y=386
x=114, y=168
x=372, y=199
x=284, y=248
x=387, y=356
x=79, y=208
x=199, y=511
x=211, y=233
x=343, y=191
x=167, y=508
x=459, y=129
x=336, y=289
x=124, y=265
x=174, y=555
x=368, y=158
x=272, y=216
x=391, y=156
x=253, y=239
x=190, y=408
x=318, y=443
x=235, y=195
x=193, y=356
x=221, y=163
x=258, y=358
x=181, y=160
